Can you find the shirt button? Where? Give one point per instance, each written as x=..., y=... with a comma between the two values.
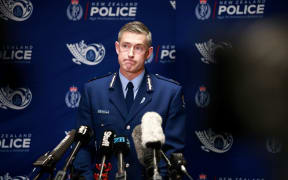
x=102, y=125
x=128, y=127
x=127, y=165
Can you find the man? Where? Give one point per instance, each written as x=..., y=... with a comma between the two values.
x=107, y=104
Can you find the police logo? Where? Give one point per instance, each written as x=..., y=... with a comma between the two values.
x=15, y=99
x=273, y=145
x=202, y=97
x=91, y=54
x=208, y=49
x=17, y=10
x=203, y=10
x=72, y=97
x=74, y=11
x=219, y=143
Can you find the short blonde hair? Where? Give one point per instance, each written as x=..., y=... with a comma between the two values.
x=136, y=27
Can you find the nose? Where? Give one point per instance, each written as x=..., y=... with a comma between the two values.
x=131, y=52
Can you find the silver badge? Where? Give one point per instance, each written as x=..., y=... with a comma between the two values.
x=17, y=10
x=15, y=99
x=91, y=54
x=219, y=143
x=143, y=100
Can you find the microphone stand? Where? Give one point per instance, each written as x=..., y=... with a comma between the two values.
x=46, y=164
x=61, y=174
x=156, y=175
x=102, y=167
x=42, y=171
x=178, y=166
x=121, y=174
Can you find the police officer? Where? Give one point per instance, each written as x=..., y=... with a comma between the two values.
x=118, y=101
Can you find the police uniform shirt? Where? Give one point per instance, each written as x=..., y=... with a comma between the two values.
x=136, y=83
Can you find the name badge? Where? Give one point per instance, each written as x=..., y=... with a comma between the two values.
x=102, y=111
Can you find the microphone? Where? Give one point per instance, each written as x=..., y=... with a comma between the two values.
x=152, y=138
x=178, y=164
x=106, y=148
x=83, y=136
x=48, y=160
x=121, y=148
x=136, y=136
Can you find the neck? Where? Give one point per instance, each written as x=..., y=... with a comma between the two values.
x=131, y=76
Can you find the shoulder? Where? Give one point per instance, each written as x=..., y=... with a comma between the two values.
x=165, y=80
x=100, y=77
x=99, y=81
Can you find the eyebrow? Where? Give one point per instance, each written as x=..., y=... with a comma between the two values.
x=134, y=44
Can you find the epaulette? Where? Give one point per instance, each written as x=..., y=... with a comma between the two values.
x=167, y=79
x=99, y=77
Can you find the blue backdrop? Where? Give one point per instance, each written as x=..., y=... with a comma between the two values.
x=48, y=50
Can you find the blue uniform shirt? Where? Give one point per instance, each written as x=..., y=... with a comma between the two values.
x=136, y=83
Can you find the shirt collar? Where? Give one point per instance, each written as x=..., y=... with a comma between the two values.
x=136, y=81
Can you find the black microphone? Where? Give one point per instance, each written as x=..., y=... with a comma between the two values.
x=48, y=160
x=83, y=136
x=177, y=168
x=106, y=148
x=152, y=138
x=121, y=148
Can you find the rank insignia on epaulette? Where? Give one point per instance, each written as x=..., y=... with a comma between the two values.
x=149, y=83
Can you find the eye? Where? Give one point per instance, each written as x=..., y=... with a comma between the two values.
x=139, y=48
x=125, y=46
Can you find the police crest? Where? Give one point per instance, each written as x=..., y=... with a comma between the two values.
x=202, y=97
x=91, y=54
x=73, y=97
x=17, y=10
x=203, y=10
x=74, y=11
x=15, y=98
x=211, y=141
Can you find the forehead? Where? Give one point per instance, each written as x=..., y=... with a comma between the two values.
x=133, y=38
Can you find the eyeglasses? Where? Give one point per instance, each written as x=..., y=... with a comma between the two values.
x=137, y=49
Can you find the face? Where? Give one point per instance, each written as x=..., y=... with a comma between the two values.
x=132, y=53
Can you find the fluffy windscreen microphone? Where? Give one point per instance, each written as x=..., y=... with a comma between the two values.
x=144, y=155
x=136, y=136
x=152, y=132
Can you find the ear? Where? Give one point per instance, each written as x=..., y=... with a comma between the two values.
x=150, y=51
x=117, y=47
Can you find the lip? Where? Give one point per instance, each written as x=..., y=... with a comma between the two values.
x=129, y=61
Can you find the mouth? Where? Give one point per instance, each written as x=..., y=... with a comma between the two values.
x=129, y=61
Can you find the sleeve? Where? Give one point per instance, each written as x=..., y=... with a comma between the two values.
x=83, y=161
x=174, y=129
